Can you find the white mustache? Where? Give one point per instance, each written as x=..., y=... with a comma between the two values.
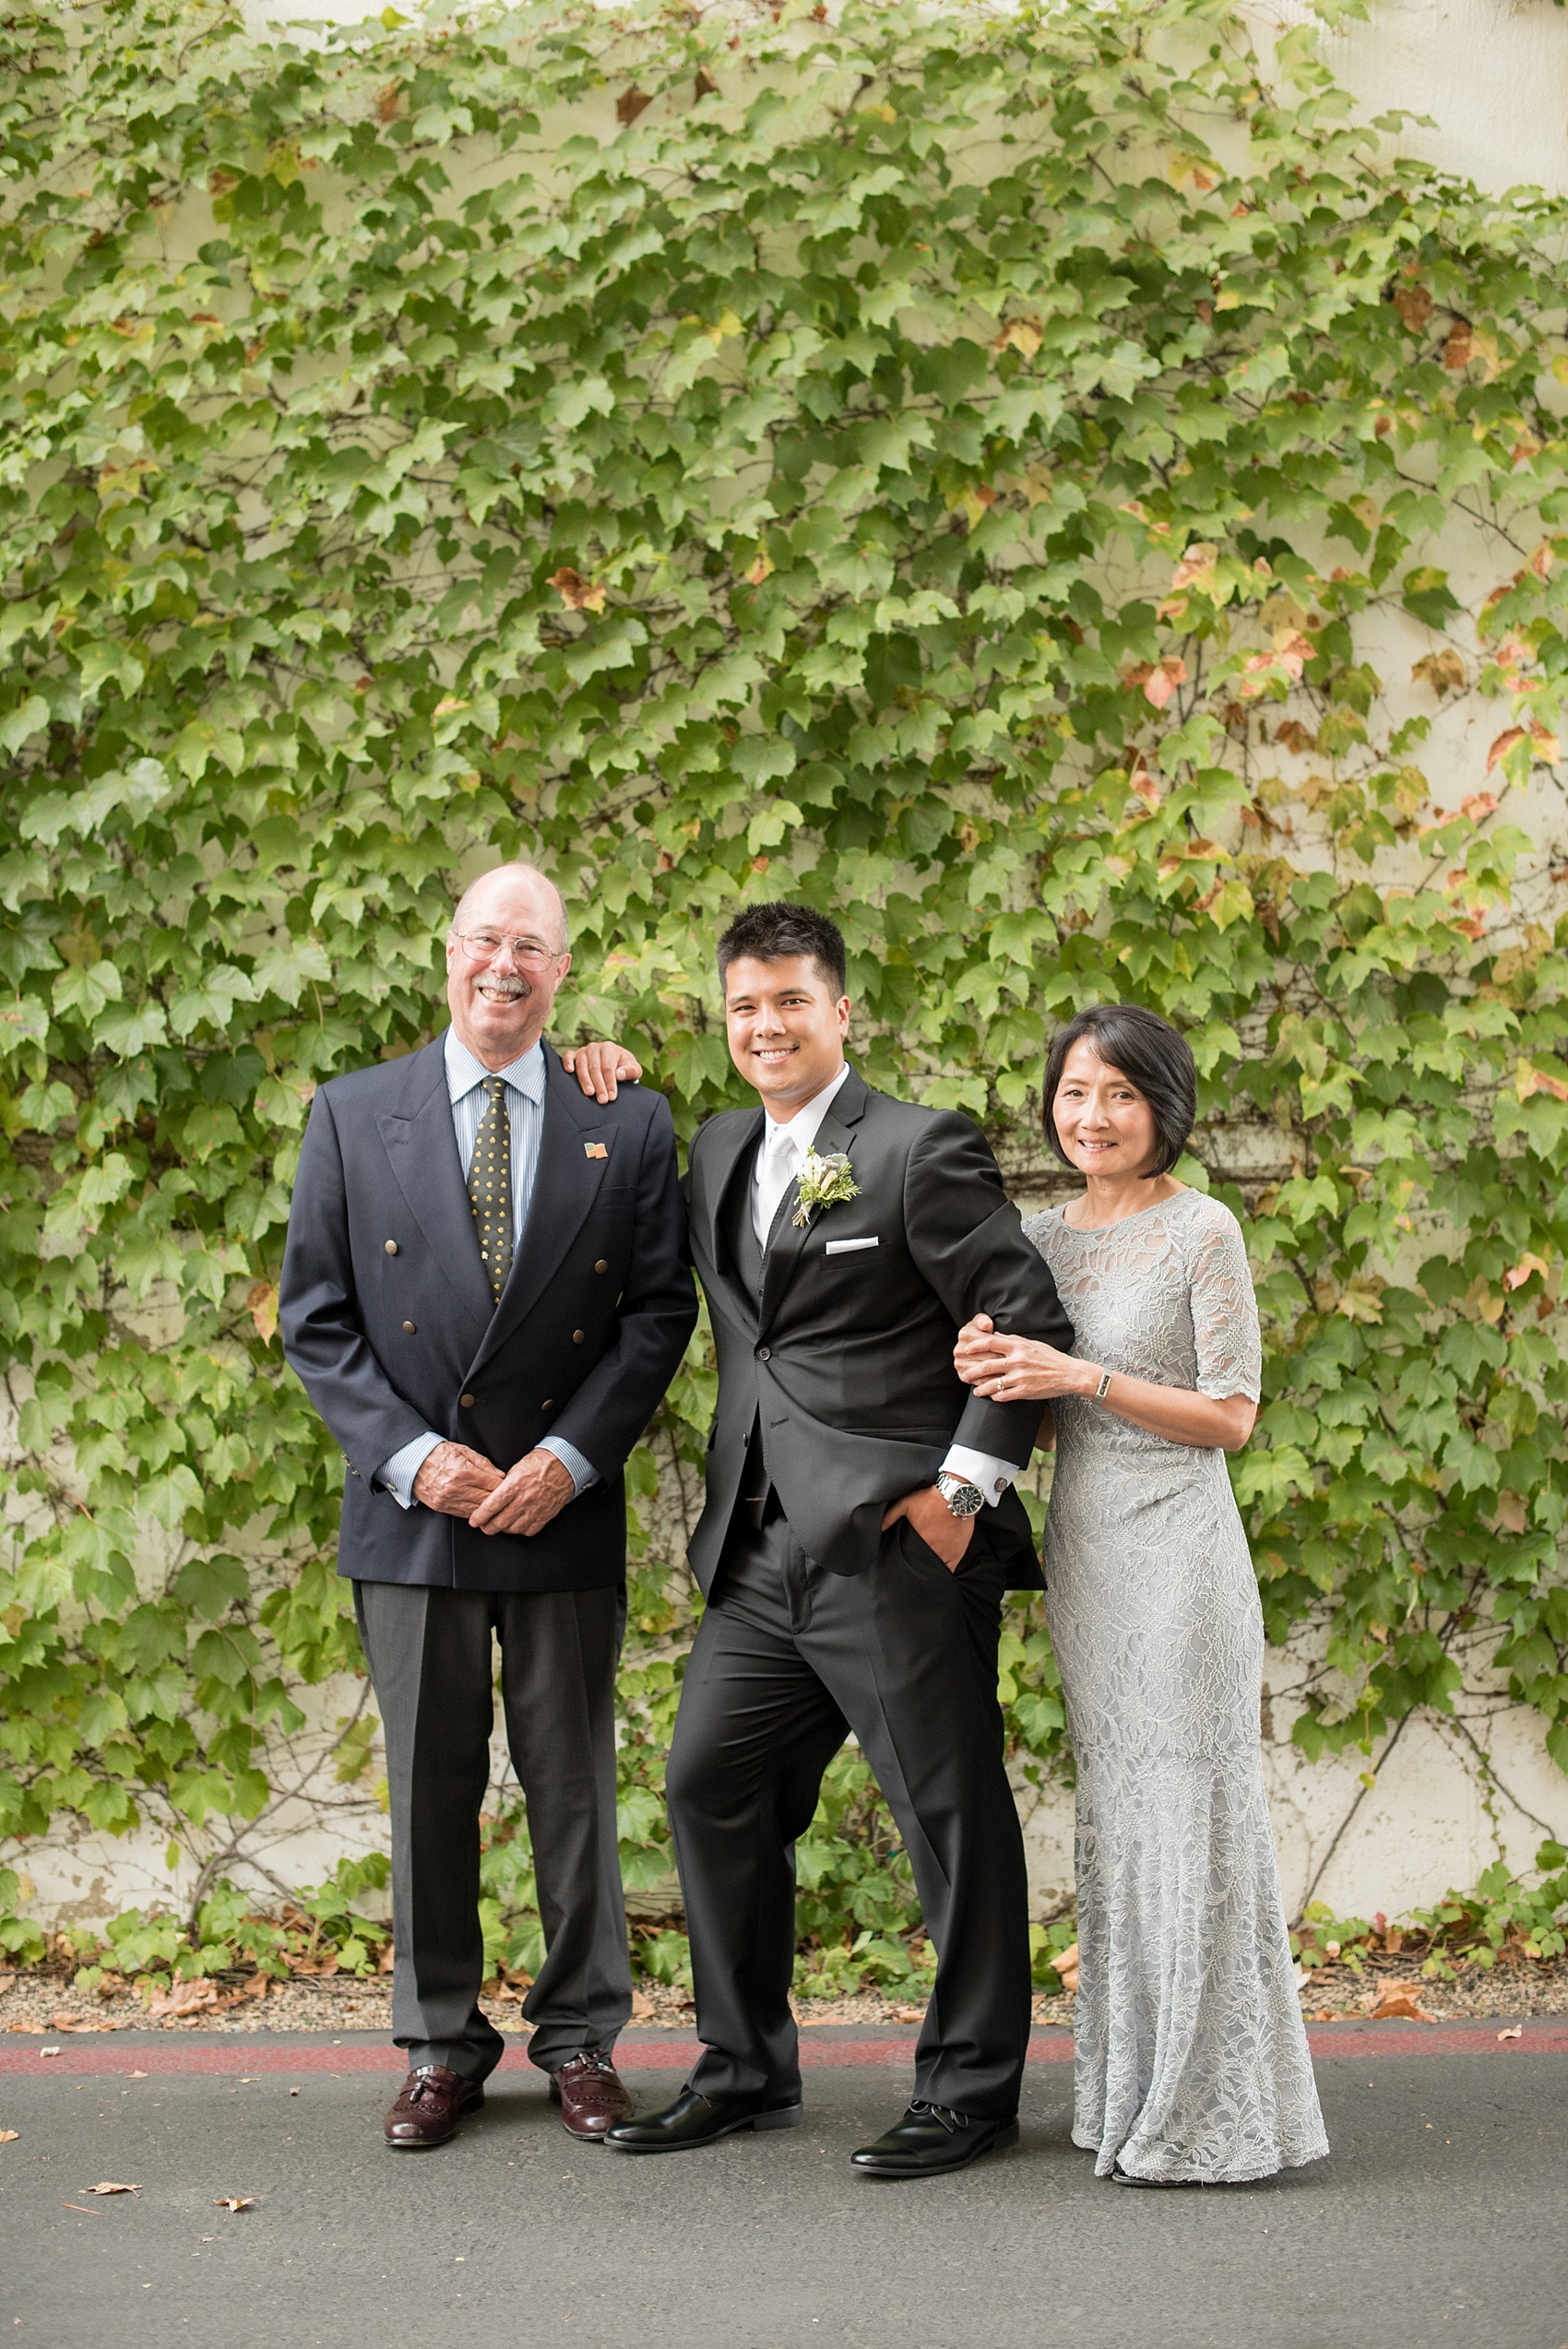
x=511, y=991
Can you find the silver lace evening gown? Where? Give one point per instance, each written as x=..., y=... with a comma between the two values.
x=1191, y=2057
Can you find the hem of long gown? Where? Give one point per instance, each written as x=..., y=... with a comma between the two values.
x=1105, y=2161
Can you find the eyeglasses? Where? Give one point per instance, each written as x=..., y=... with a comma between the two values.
x=483, y=946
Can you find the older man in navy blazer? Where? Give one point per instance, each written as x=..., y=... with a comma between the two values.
x=486, y=1291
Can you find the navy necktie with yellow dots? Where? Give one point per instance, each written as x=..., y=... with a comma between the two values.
x=490, y=1185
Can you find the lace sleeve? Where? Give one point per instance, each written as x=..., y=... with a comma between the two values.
x=1225, y=1312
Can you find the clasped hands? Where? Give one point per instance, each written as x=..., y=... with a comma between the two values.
x=458, y=1482
x=461, y=1483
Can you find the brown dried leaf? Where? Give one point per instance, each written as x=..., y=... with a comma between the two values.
x=108, y=2185
x=184, y=1998
x=234, y=2202
x=1400, y=2002
x=10, y=2136
x=1020, y=334
x=704, y=86
x=575, y=592
x=1512, y=1513
x=261, y=1301
x=631, y=103
x=1444, y=671
x=1459, y=347
x=1503, y=745
x=1414, y=305
x=387, y=101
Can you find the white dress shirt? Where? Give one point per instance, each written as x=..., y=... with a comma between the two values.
x=525, y=1081
x=781, y=1153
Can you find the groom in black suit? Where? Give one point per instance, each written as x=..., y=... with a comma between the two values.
x=485, y=1291
x=859, y=1534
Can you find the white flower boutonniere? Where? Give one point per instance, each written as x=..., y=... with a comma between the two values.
x=825, y=1181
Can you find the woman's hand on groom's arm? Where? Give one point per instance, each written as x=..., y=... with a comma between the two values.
x=598, y=1068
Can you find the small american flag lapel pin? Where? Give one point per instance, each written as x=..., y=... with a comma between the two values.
x=595, y=1150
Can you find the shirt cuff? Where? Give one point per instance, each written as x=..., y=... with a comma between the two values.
x=582, y=1472
x=397, y=1476
x=993, y=1476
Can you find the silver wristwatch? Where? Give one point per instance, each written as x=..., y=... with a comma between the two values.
x=962, y=1498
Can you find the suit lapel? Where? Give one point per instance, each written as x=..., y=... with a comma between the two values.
x=566, y=1185
x=422, y=1148
x=730, y=1152
x=788, y=1239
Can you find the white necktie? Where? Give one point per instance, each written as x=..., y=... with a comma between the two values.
x=776, y=1168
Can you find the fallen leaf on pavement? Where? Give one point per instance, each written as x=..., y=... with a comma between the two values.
x=107, y=2186
x=642, y=2007
x=235, y=2202
x=140, y=2075
x=1400, y=2003
x=10, y=2136
x=49, y=2051
x=1517, y=2032
x=185, y=1998
x=909, y=2014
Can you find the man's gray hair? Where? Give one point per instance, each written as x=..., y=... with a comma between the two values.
x=518, y=866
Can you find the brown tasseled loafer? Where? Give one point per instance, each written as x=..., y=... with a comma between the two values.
x=431, y=2103
x=592, y=2095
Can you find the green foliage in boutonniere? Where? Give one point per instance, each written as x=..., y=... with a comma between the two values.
x=825, y=1182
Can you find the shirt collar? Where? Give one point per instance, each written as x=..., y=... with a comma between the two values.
x=526, y=1074
x=802, y=1127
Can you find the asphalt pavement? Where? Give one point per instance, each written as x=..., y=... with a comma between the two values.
x=1441, y=2218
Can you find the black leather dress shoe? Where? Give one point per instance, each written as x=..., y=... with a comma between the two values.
x=694, y=2119
x=931, y=2139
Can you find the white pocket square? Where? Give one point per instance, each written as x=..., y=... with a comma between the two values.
x=847, y=1247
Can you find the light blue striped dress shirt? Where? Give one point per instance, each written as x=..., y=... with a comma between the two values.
x=525, y=1110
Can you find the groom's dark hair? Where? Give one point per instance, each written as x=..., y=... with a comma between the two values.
x=1145, y=1048
x=773, y=933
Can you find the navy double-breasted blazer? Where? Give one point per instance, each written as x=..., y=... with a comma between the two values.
x=386, y=1313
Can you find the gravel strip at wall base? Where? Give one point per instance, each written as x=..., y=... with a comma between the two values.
x=44, y=2002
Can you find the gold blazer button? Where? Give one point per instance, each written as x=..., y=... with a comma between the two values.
x=577, y=1336
x=602, y=1265
x=390, y=1246
x=549, y=1403
x=465, y=1402
x=410, y=1329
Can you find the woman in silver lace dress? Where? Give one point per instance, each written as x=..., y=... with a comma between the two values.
x=1190, y=2062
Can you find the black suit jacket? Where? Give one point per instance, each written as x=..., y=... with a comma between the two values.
x=846, y=1360
x=588, y=1334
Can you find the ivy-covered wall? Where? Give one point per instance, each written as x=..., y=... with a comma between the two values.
x=1029, y=479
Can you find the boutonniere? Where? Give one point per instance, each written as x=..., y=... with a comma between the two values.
x=825, y=1181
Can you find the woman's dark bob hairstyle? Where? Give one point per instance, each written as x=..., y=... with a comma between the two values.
x=1149, y=1053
